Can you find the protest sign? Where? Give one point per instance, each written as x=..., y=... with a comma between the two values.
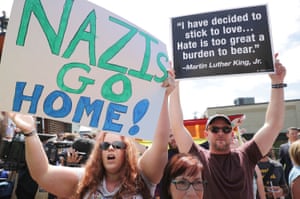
x=76, y=62
x=235, y=41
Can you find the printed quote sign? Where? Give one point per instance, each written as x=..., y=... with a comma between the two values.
x=226, y=42
x=76, y=62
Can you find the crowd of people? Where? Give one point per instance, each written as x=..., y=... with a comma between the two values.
x=109, y=167
x=273, y=177
x=114, y=170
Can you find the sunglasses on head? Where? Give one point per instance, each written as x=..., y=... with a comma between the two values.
x=216, y=129
x=114, y=144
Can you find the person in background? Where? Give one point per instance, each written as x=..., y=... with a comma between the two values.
x=70, y=137
x=27, y=187
x=64, y=147
x=113, y=169
x=3, y=127
x=3, y=124
x=89, y=135
x=80, y=151
x=183, y=178
x=258, y=184
x=273, y=177
x=60, y=136
x=284, y=156
x=294, y=175
x=173, y=149
x=229, y=173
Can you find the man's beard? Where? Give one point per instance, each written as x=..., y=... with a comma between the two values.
x=221, y=147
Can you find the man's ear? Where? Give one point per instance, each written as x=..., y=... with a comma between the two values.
x=205, y=133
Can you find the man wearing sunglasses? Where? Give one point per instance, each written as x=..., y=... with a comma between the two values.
x=229, y=172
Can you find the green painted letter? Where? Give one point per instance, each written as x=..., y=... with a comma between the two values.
x=63, y=71
x=35, y=7
x=85, y=36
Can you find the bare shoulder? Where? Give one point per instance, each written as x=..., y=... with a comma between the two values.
x=295, y=188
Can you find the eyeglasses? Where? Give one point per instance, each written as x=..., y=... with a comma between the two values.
x=216, y=129
x=184, y=185
x=115, y=145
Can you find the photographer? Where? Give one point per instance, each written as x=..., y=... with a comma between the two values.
x=78, y=154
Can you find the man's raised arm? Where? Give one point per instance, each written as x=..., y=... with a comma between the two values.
x=274, y=119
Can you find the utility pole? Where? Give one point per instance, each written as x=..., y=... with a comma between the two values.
x=3, y=22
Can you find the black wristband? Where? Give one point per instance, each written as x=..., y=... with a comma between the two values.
x=29, y=134
x=281, y=85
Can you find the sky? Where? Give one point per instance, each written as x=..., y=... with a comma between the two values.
x=198, y=94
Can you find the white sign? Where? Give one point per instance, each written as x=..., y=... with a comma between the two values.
x=76, y=62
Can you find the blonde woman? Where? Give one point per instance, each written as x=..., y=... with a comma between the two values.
x=294, y=176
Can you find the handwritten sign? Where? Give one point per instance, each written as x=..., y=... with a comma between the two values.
x=226, y=42
x=76, y=62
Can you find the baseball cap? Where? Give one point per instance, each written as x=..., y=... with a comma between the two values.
x=293, y=128
x=218, y=116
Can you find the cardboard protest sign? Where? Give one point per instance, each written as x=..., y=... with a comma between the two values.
x=235, y=41
x=76, y=62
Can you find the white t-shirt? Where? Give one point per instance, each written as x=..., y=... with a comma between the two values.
x=103, y=193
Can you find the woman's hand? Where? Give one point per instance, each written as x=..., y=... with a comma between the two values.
x=169, y=83
x=25, y=122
